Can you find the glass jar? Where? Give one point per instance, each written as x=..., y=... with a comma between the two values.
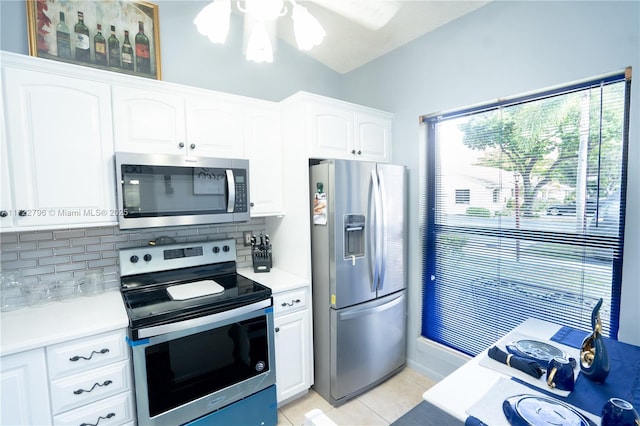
x=12, y=295
x=93, y=283
x=41, y=292
x=67, y=290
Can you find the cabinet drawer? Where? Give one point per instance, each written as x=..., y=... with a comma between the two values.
x=84, y=354
x=116, y=410
x=83, y=388
x=290, y=301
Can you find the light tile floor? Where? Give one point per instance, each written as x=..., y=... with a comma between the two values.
x=379, y=406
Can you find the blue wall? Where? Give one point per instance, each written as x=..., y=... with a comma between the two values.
x=501, y=50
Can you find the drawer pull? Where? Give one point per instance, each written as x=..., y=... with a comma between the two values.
x=105, y=383
x=79, y=357
x=293, y=302
x=108, y=416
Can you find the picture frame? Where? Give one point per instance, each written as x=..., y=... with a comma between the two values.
x=67, y=31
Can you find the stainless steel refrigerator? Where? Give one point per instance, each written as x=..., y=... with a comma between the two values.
x=358, y=249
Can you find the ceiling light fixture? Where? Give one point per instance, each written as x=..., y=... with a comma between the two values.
x=213, y=21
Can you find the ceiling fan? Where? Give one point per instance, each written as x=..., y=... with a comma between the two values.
x=261, y=17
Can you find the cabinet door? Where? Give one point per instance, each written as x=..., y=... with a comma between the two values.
x=293, y=356
x=148, y=121
x=83, y=388
x=6, y=203
x=24, y=396
x=86, y=353
x=263, y=144
x=60, y=143
x=214, y=128
x=331, y=132
x=373, y=137
x=116, y=410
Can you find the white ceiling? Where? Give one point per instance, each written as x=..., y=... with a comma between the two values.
x=348, y=45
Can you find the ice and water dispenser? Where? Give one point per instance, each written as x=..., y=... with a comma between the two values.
x=354, y=225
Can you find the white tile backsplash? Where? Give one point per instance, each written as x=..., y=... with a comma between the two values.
x=70, y=253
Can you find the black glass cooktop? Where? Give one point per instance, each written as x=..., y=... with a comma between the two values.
x=148, y=302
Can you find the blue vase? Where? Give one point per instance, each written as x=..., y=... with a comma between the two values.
x=594, y=360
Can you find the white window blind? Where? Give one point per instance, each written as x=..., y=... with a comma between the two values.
x=524, y=213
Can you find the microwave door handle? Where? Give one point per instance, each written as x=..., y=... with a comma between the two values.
x=231, y=190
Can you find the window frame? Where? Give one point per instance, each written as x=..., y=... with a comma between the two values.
x=428, y=211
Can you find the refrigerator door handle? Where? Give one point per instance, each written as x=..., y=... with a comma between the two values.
x=359, y=312
x=381, y=221
x=371, y=234
x=377, y=222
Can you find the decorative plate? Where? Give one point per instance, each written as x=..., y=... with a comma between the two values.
x=531, y=410
x=537, y=351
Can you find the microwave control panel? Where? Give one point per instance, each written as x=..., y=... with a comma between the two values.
x=241, y=203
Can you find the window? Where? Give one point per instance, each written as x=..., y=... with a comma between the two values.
x=542, y=235
x=463, y=196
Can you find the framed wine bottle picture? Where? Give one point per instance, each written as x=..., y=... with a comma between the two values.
x=115, y=35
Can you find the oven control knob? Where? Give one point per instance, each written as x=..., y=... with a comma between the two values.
x=225, y=249
x=260, y=365
x=216, y=249
x=134, y=259
x=147, y=257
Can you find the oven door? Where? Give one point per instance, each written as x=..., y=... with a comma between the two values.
x=185, y=374
x=166, y=190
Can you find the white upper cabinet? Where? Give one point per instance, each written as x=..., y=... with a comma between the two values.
x=214, y=127
x=263, y=144
x=59, y=151
x=372, y=137
x=346, y=131
x=148, y=121
x=166, y=121
x=331, y=131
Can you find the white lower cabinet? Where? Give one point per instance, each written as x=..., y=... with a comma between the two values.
x=292, y=319
x=25, y=394
x=116, y=410
x=90, y=380
x=80, y=389
x=82, y=381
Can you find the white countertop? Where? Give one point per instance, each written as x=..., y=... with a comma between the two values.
x=276, y=279
x=56, y=322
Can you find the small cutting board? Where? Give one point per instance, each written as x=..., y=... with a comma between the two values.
x=195, y=289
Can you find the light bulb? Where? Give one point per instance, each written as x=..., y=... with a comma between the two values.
x=213, y=20
x=259, y=48
x=307, y=29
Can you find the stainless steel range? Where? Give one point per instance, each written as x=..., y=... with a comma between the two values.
x=201, y=336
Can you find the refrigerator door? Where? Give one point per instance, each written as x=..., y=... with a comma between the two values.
x=367, y=344
x=392, y=220
x=349, y=199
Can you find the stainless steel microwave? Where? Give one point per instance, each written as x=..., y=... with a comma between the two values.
x=170, y=190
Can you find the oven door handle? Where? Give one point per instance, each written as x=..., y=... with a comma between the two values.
x=157, y=330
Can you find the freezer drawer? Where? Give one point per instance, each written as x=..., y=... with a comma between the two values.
x=367, y=343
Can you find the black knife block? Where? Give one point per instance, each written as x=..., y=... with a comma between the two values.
x=261, y=261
